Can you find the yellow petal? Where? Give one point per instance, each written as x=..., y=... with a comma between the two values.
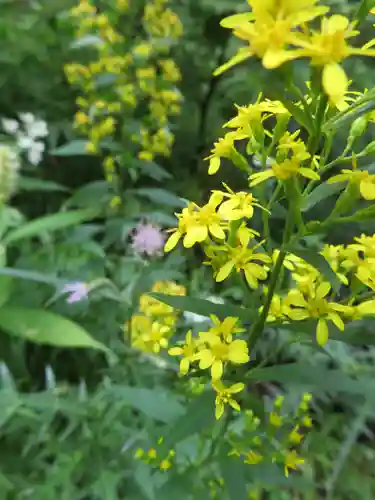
x=335, y=81
x=239, y=57
x=172, y=241
x=175, y=351
x=217, y=231
x=217, y=370
x=235, y=20
x=367, y=189
x=322, y=332
x=337, y=23
x=214, y=165
x=224, y=272
x=184, y=366
x=275, y=58
x=194, y=235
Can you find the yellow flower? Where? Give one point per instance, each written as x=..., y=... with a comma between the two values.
x=223, y=148
x=364, y=180
x=315, y=305
x=226, y=328
x=224, y=396
x=328, y=48
x=197, y=223
x=218, y=352
x=148, y=335
x=238, y=205
x=275, y=419
x=253, y=458
x=292, y=461
x=269, y=30
x=187, y=351
x=242, y=258
x=295, y=437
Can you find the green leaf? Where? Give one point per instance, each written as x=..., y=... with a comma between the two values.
x=30, y=184
x=233, y=472
x=205, y=307
x=366, y=214
x=300, y=116
x=143, y=478
x=53, y=222
x=90, y=195
x=322, y=192
x=32, y=276
x=161, y=196
x=199, y=415
x=77, y=147
x=157, y=403
x=6, y=285
x=44, y=327
x=154, y=170
x=319, y=262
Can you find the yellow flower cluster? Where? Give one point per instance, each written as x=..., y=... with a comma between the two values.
x=256, y=444
x=120, y=77
x=313, y=297
x=277, y=31
x=153, y=326
x=214, y=350
x=156, y=459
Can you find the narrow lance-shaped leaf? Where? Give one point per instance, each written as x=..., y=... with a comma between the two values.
x=49, y=223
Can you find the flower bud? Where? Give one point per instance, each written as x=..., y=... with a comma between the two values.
x=9, y=172
x=358, y=127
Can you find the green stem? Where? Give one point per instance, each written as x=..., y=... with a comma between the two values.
x=258, y=327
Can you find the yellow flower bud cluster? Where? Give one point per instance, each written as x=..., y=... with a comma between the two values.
x=277, y=32
x=155, y=457
x=119, y=77
x=256, y=443
x=155, y=323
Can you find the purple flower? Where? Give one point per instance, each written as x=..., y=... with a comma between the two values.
x=148, y=239
x=77, y=290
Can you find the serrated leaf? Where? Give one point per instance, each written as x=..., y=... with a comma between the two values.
x=205, y=307
x=320, y=193
x=44, y=327
x=233, y=472
x=47, y=223
x=199, y=415
x=319, y=262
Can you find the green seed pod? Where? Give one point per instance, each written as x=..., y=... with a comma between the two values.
x=9, y=172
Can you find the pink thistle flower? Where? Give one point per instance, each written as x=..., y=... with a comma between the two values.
x=148, y=239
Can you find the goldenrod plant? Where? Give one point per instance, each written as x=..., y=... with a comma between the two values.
x=292, y=284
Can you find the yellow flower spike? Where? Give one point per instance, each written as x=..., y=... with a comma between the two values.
x=187, y=351
x=165, y=464
x=362, y=178
x=238, y=205
x=223, y=148
x=152, y=453
x=292, y=461
x=224, y=396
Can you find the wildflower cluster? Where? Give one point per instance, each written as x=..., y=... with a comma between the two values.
x=279, y=31
x=127, y=73
x=155, y=322
x=276, y=439
x=157, y=458
x=28, y=133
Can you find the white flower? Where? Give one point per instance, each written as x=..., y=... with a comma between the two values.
x=37, y=129
x=27, y=118
x=35, y=153
x=9, y=126
x=24, y=141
